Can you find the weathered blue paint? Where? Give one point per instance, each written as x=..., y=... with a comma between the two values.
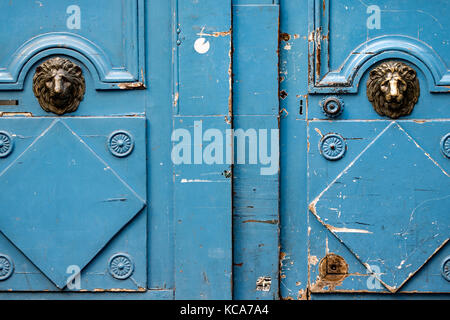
x=255, y=107
x=110, y=61
x=77, y=152
x=213, y=231
x=65, y=215
x=202, y=192
x=402, y=157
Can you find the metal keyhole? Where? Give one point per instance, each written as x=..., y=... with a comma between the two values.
x=333, y=268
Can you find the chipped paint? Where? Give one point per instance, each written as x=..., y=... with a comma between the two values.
x=318, y=131
x=132, y=86
x=303, y=294
x=333, y=270
x=16, y=114
x=263, y=283
x=196, y=180
x=175, y=99
x=312, y=260
x=215, y=34
x=139, y=289
x=262, y=221
x=345, y=230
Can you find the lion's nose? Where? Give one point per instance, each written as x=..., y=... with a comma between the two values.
x=394, y=88
x=58, y=85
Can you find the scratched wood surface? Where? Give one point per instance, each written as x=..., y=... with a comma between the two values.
x=375, y=191
x=202, y=193
x=255, y=194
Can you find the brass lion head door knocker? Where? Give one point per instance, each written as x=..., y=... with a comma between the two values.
x=59, y=85
x=393, y=89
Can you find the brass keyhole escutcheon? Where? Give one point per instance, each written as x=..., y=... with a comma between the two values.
x=333, y=268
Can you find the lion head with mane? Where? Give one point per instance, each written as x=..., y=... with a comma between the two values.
x=393, y=89
x=59, y=85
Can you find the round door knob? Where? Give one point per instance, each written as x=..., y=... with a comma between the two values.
x=332, y=107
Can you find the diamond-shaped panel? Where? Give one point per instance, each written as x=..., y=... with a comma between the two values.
x=60, y=203
x=389, y=206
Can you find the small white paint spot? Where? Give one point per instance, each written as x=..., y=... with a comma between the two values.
x=401, y=264
x=201, y=45
x=194, y=180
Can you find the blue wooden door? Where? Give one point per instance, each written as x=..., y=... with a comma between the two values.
x=375, y=151
x=110, y=110
x=94, y=97
x=73, y=179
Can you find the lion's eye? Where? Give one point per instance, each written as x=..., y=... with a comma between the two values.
x=384, y=87
x=49, y=84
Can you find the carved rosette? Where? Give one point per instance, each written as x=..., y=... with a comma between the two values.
x=393, y=89
x=445, y=145
x=121, y=266
x=6, y=144
x=332, y=146
x=446, y=268
x=6, y=267
x=120, y=143
x=59, y=85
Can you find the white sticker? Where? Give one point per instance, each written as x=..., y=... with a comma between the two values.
x=201, y=45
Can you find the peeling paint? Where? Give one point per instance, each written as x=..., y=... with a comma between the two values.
x=15, y=114
x=175, y=99
x=215, y=34
x=333, y=270
x=312, y=260
x=346, y=230
x=274, y=221
x=263, y=283
x=132, y=86
x=318, y=131
x=303, y=294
